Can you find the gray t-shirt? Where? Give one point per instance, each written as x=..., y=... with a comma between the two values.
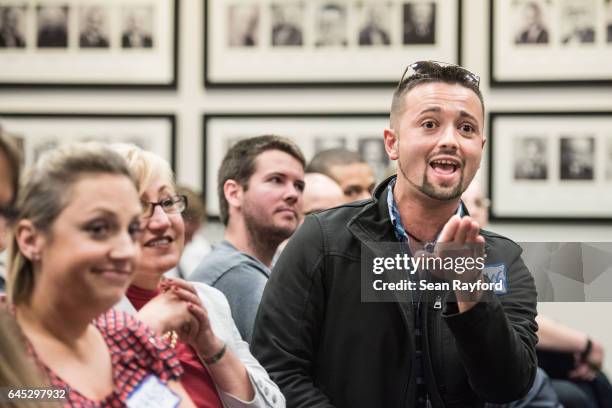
x=240, y=277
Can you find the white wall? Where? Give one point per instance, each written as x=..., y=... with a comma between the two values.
x=191, y=100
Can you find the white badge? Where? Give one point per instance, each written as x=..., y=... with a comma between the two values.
x=497, y=275
x=152, y=393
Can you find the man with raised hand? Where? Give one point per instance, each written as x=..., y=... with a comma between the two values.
x=326, y=345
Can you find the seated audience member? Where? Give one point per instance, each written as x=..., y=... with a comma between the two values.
x=17, y=370
x=320, y=193
x=585, y=383
x=348, y=169
x=10, y=160
x=196, y=246
x=584, y=356
x=195, y=318
x=260, y=187
x=73, y=255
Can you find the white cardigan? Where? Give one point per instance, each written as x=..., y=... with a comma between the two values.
x=267, y=393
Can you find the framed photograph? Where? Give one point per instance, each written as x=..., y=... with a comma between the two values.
x=550, y=166
x=550, y=42
x=89, y=43
x=38, y=132
x=325, y=42
x=312, y=132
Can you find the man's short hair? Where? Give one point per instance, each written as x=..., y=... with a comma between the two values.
x=9, y=149
x=448, y=74
x=323, y=161
x=239, y=163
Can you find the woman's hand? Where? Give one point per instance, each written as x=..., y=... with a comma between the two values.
x=201, y=337
x=169, y=311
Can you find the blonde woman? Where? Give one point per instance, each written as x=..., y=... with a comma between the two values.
x=74, y=253
x=193, y=317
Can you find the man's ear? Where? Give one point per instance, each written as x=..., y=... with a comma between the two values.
x=233, y=193
x=30, y=240
x=484, y=140
x=391, y=143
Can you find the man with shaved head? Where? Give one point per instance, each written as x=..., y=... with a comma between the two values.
x=320, y=193
x=330, y=338
x=348, y=169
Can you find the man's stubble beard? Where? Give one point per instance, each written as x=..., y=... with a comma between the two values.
x=264, y=237
x=430, y=190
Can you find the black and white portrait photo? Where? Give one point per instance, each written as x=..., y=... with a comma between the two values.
x=94, y=27
x=331, y=25
x=419, y=23
x=578, y=21
x=137, y=27
x=287, y=24
x=52, y=26
x=577, y=157
x=533, y=25
x=372, y=150
x=374, y=23
x=12, y=27
x=328, y=142
x=243, y=25
x=530, y=158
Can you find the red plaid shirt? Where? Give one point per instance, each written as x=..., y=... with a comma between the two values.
x=135, y=352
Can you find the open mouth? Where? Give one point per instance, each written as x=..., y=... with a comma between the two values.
x=445, y=166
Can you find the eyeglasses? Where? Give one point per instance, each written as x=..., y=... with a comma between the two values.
x=172, y=205
x=8, y=212
x=437, y=69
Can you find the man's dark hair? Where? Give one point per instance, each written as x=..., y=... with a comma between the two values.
x=452, y=75
x=323, y=161
x=10, y=151
x=239, y=163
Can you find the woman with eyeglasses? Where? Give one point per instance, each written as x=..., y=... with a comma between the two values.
x=194, y=318
x=74, y=252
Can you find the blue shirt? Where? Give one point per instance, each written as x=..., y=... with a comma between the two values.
x=400, y=232
x=240, y=277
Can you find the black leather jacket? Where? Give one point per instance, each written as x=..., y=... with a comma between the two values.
x=324, y=347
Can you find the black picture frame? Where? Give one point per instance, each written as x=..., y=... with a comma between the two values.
x=69, y=71
x=550, y=166
x=551, y=58
x=400, y=55
x=30, y=127
x=311, y=131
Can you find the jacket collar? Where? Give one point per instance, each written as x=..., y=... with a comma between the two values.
x=372, y=223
